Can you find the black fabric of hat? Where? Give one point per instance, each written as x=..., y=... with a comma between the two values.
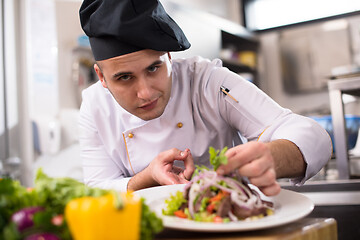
x=118, y=27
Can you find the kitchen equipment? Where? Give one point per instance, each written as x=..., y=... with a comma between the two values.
x=47, y=134
x=352, y=123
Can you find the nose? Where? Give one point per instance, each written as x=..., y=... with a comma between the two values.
x=144, y=89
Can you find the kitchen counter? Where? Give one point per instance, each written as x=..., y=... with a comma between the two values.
x=305, y=228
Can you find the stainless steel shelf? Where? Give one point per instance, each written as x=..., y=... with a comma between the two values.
x=337, y=87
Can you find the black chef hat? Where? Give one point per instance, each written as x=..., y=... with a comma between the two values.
x=118, y=27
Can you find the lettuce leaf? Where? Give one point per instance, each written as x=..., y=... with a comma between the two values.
x=173, y=203
x=150, y=223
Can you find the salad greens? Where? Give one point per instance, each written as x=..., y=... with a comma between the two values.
x=52, y=194
x=150, y=223
x=174, y=203
x=210, y=197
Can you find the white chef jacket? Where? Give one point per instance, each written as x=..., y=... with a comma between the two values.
x=115, y=145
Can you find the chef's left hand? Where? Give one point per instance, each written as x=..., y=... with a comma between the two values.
x=255, y=161
x=163, y=170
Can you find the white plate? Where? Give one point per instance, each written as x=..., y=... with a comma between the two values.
x=289, y=206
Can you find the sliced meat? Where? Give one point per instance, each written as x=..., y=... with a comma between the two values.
x=242, y=213
x=224, y=207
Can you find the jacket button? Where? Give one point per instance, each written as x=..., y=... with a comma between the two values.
x=179, y=125
x=130, y=135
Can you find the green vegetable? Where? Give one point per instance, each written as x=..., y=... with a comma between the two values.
x=217, y=157
x=204, y=203
x=173, y=203
x=203, y=217
x=13, y=197
x=53, y=194
x=150, y=223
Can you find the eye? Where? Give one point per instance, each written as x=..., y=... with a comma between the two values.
x=125, y=78
x=153, y=68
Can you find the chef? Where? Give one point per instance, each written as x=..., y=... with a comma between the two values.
x=150, y=118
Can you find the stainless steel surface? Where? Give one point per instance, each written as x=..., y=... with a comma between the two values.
x=338, y=198
x=330, y=193
x=355, y=166
x=350, y=85
x=337, y=112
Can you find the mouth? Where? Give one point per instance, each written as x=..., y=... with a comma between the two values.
x=149, y=105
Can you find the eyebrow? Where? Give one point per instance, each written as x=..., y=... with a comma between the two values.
x=157, y=62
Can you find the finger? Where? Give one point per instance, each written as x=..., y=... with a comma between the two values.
x=256, y=168
x=189, y=165
x=169, y=178
x=271, y=190
x=182, y=178
x=176, y=178
x=234, y=160
x=240, y=155
x=266, y=179
x=172, y=155
x=177, y=170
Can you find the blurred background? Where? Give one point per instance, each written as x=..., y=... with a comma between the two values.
x=289, y=49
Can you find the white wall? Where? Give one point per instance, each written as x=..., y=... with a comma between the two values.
x=42, y=62
x=68, y=30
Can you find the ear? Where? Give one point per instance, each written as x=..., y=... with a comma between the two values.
x=100, y=75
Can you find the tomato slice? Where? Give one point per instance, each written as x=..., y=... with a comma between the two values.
x=218, y=219
x=217, y=198
x=210, y=208
x=225, y=193
x=180, y=214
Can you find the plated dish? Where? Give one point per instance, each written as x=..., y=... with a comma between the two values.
x=288, y=206
x=209, y=197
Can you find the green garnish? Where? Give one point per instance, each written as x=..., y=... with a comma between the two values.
x=217, y=157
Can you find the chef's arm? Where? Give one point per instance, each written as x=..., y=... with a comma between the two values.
x=161, y=170
x=288, y=159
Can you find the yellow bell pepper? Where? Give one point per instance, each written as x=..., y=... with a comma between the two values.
x=94, y=218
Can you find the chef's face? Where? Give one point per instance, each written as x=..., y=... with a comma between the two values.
x=140, y=81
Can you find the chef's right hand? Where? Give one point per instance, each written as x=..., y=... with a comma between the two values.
x=163, y=170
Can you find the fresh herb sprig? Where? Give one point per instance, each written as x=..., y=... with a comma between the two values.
x=217, y=157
